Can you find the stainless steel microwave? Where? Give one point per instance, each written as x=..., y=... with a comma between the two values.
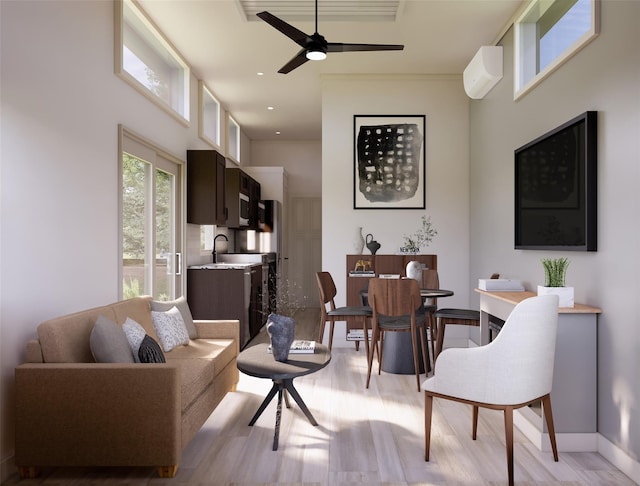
x=244, y=210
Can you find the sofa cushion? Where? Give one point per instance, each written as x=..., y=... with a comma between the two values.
x=183, y=307
x=200, y=363
x=137, y=309
x=109, y=343
x=135, y=334
x=149, y=351
x=170, y=328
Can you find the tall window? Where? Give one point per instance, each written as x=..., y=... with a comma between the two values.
x=147, y=61
x=151, y=241
x=547, y=34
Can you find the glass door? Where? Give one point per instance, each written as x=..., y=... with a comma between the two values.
x=151, y=256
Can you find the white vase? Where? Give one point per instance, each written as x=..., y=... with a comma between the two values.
x=358, y=241
x=414, y=271
x=565, y=294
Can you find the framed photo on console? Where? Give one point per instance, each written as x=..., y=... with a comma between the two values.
x=389, y=162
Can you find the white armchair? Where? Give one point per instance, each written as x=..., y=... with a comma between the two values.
x=513, y=371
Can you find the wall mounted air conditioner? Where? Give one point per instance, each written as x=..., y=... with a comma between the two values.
x=483, y=72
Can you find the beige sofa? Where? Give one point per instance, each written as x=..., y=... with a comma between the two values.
x=72, y=411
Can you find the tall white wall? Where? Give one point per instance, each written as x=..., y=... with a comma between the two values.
x=61, y=106
x=446, y=107
x=604, y=76
x=302, y=160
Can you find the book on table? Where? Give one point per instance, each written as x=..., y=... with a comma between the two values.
x=300, y=346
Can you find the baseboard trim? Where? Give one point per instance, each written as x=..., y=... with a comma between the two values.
x=566, y=442
x=619, y=458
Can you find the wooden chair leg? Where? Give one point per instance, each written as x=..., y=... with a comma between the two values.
x=416, y=362
x=331, y=334
x=425, y=350
x=381, y=339
x=374, y=339
x=474, y=432
x=440, y=342
x=548, y=415
x=428, y=406
x=508, y=430
x=433, y=332
x=321, y=333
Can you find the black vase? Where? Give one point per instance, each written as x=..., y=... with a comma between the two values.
x=281, y=330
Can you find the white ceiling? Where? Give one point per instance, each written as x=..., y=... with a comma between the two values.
x=227, y=47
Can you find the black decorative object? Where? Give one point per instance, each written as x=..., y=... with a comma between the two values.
x=389, y=163
x=372, y=244
x=281, y=330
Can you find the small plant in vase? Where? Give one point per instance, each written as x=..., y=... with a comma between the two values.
x=555, y=273
x=421, y=238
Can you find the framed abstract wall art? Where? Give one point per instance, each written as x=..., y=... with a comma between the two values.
x=389, y=162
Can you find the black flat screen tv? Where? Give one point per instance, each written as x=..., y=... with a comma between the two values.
x=556, y=188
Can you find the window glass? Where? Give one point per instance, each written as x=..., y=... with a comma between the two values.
x=209, y=126
x=148, y=62
x=548, y=33
x=234, y=139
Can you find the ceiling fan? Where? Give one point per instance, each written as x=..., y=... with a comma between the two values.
x=315, y=47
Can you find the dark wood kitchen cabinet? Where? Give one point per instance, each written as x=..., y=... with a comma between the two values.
x=228, y=294
x=206, y=187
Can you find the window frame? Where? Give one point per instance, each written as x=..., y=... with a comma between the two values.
x=182, y=82
x=527, y=42
x=203, y=119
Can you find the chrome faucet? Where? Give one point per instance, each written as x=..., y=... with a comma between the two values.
x=215, y=255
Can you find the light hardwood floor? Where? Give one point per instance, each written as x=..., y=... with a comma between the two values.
x=372, y=437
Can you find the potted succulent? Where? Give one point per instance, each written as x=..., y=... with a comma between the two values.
x=555, y=273
x=420, y=238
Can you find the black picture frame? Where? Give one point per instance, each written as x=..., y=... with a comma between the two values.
x=389, y=161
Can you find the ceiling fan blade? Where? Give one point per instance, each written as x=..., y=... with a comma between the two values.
x=339, y=47
x=290, y=31
x=297, y=61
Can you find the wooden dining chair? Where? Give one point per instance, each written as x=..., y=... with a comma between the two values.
x=397, y=306
x=332, y=314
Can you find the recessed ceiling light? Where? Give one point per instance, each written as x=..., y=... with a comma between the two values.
x=260, y=74
x=277, y=133
x=269, y=107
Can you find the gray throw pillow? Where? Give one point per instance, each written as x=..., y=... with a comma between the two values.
x=150, y=351
x=170, y=328
x=135, y=333
x=183, y=307
x=109, y=343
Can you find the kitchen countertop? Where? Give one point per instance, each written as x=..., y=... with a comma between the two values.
x=223, y=266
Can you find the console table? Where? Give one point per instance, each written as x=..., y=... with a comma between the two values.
x=574, y=394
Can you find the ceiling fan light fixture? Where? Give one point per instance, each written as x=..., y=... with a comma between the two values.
x=317, y=55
